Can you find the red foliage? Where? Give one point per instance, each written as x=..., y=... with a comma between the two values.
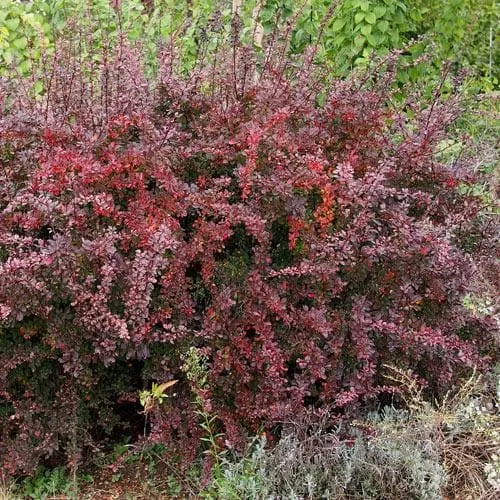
x=300, y=246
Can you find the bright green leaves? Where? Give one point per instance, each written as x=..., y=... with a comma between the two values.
x=364, y=5
x=358, y=18
x=383, y=26
x=23, y=34
x=371, y=18
x=356, y=30
x=27, y=29
x=379, y=11
x=366, y=29
x=12, y=24
x=359, y=41
x=20, y=43
x=4, y=35
x=363, y=27
x=338, y=24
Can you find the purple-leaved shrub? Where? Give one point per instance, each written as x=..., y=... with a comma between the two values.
x=300, y=234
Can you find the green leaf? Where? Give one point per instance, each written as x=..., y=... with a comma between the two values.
x=336, y=41
x=370, y=18
x=359, y=41
x=398, y=18
x=381, y=40
x=372, y=40
x=379, y=10
x=300, y=35
x=365, y=5
x=338, y=25
x=359, y=17
x=416, y=49
x=12, y=24
x=24, y=67
x=366, y=29
x=7, y=56
x=20, y=43
x=383, y=26
x=361, y=62
x=38, y=87
x=416, y=15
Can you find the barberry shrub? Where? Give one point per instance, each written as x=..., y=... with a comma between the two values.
x=298, y=232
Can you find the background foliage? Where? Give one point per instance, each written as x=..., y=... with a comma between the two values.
x=461, y=30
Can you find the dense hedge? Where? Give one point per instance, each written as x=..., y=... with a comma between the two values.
x=299, y=234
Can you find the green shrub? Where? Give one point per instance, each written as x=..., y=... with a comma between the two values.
x=46, y=483
x=351, y=34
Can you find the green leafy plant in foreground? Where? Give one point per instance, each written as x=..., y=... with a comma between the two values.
x=156, y=395
x=46, y=483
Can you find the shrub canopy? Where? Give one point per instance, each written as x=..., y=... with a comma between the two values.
x=299, y=233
